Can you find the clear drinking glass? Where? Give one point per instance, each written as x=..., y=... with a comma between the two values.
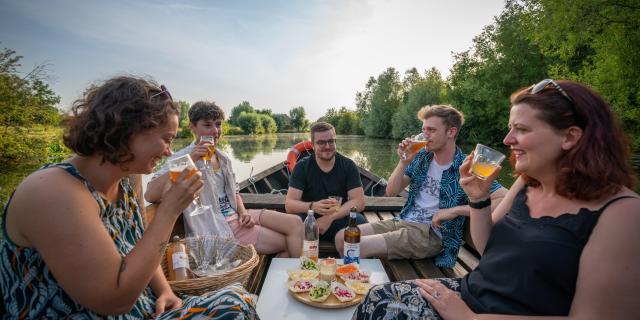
x=328, y=269
x=176, y=166
x=211, y=141
x=338, y=204
x=201, y=249
x=419, y=142
x=485, y=161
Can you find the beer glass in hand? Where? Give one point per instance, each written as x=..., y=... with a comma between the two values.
x=338, y=204
x=211, y=144
x=176, y=167
x=419, y=142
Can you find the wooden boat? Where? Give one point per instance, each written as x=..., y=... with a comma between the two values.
x=268, y=188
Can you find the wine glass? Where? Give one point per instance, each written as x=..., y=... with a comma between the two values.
x=211, y=141
x=419, y=142
x=201, y=248
x=176, y=166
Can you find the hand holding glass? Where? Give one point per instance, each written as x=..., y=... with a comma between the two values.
x=485, y=161
x=211, y=141
x=176, y=167
x=419, y=142
x=338, y=204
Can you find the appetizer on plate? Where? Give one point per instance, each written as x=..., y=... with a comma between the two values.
x=296, y=274
x=300, y=285
x=357, y=275
x=358, y=286
x=346, y=269
x=308, y=264
x=320, y=291
x=341, y=292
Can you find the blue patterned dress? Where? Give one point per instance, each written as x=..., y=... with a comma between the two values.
x=30, y=291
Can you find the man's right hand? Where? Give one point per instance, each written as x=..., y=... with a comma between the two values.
x=199, y=150
x=404, y=152
x=323, y=207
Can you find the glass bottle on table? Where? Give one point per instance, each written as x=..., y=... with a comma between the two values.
x=176, y=167
x=177, y=260
x=311, y=240
x=352, y=240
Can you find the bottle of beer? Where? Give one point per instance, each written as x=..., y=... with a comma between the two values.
x=177, y=260
x=311, y=241
x=352, y=240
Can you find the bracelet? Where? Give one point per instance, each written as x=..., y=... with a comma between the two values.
x=310, y=205
x=480, y=204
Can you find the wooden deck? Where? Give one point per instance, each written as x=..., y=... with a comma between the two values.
x=376, y=208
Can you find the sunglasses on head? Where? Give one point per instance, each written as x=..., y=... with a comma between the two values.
x=163, y=91
x=545, y=83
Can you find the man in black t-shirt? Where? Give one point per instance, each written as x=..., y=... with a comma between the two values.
x=317, y=177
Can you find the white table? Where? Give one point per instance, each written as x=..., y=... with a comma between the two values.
x=275, y=302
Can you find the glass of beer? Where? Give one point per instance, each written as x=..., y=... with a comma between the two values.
x=419, y=142
x=485, y=161
x=338, y=204
x=176, y=167
x=211, y=144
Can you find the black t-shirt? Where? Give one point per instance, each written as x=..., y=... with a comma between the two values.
x=316, y=184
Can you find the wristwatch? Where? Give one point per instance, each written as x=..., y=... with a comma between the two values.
x=480, y=204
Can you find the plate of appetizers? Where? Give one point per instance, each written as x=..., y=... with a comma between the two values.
x=335, y=294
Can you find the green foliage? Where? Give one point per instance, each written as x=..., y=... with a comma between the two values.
x=245, y=107
x=345, y=121
x=298, y=119
x=267, y=123
x=379, y=102
x=183, y=121
x=250, y=123
x=229, y=129
x=283, y=122
x=27, y=103
x=419, y=92
x=501, y=61
x=596, y=43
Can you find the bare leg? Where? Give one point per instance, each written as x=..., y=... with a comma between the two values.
x=270, y=241
x=371, y=244
x=289, y=226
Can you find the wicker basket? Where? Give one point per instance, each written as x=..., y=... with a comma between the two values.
x=199, y=286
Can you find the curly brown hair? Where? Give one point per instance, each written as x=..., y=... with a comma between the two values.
x=108, y=114
x=205, y=110
x=598, y=165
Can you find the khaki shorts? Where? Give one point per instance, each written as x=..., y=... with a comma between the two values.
x=408, y=240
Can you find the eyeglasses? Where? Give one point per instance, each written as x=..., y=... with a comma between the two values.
x=323, y=143
x=546, y=82
x=163, y=91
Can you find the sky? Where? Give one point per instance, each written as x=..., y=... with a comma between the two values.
x=275, y=54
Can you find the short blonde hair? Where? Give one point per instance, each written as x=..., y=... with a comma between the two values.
x=451, y=117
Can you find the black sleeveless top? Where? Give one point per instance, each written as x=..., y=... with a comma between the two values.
x=530, y=266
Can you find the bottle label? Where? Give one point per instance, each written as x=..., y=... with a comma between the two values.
x=351, y=252
x=180, y=260
x=310, y=249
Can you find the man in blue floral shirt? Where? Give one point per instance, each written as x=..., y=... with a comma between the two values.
x=431, y=224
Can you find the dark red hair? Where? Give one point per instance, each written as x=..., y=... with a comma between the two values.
x=598, y=165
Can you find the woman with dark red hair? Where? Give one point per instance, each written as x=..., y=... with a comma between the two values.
x=564, y=242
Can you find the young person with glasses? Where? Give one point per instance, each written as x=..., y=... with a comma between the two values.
x=76, y=245
x=564, y=242
x=324, y=174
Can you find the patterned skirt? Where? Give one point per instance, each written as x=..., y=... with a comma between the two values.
x=400, y=300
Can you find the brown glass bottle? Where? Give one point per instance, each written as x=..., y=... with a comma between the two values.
x=352, y=240
x=177, y=260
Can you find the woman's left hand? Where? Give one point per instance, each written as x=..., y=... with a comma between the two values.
x=448, y=304
x=245, y=220
x=167, y=301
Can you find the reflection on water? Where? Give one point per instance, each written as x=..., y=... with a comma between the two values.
x=259, y=153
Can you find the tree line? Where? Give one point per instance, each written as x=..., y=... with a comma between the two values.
x=595, y=43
